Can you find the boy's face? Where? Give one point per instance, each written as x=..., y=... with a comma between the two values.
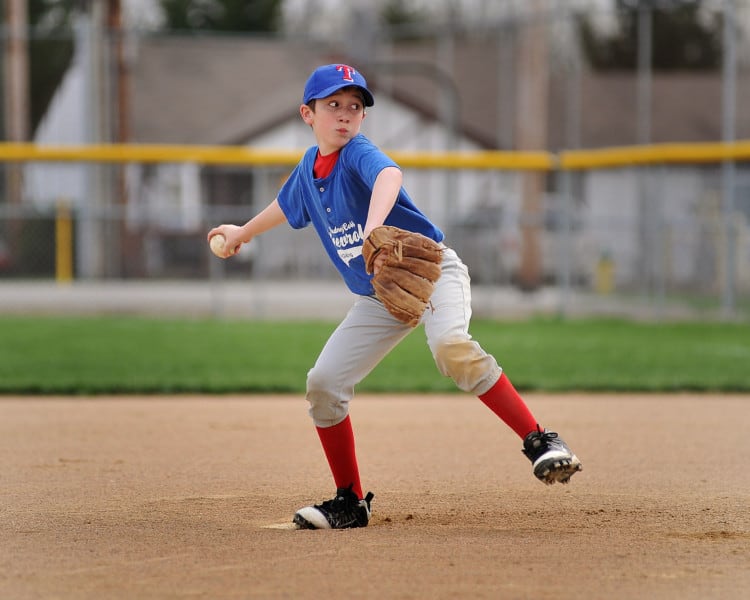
x=336, y=119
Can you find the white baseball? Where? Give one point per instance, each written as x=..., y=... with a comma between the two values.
x=217, y=243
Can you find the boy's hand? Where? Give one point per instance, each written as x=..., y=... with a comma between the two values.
x=233, y=239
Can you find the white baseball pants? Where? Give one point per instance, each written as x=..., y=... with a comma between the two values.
x=369, y=332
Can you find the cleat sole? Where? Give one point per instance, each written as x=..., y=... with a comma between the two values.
x=558, y=470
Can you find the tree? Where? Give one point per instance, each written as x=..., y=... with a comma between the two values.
x=685, y=36
x=222, y=15
x=50, y=51
x=399, y=12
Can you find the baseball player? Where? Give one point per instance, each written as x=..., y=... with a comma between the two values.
x=345, y=187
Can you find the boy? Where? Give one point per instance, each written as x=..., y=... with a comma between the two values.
x=345, y=187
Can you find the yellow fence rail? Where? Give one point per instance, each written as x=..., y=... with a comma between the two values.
x=709, y=152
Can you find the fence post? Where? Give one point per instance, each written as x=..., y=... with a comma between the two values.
x=63, y=243
x=565, y=177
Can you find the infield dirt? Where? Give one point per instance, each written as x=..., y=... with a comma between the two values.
x=189, y=497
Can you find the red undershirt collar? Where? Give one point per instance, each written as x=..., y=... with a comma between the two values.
x=324, y=164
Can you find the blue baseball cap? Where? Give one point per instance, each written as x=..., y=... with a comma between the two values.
x=328, y=79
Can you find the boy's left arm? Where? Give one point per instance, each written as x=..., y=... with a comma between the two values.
x=384, y=194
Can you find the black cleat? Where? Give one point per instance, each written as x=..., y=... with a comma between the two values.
x=550, y=456
x=345, y=511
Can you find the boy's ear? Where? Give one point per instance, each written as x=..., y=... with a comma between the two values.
x=306, y=113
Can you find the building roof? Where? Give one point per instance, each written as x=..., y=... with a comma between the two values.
x=226, y=90
x=213, y=90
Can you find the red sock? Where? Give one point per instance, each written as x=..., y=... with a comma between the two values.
x=503, y=399
x=338, y=445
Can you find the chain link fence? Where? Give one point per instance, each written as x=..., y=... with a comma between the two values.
x=620, y=236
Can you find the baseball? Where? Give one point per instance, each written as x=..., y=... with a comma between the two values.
x=217, y=243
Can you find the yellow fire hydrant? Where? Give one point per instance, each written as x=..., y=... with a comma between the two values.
x=604, y=281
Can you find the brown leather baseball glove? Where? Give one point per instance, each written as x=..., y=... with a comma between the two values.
x=406, y=280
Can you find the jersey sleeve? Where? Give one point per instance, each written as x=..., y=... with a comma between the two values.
x=291, y=200
x=365, y=160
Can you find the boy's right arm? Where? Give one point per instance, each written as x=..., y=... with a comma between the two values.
x=236, y=235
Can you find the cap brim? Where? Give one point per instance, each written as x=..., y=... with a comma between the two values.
x=369, y=100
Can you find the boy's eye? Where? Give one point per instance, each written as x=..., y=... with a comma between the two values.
x=336, y=106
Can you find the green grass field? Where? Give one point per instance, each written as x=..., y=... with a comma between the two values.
x=141, y=355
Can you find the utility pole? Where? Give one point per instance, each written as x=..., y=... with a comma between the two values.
x=117, y=37
x=16, y=86
x=130, y=243
x=531, y=135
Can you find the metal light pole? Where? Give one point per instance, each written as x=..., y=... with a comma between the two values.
x=645, y=75
x=644, y=78
x=651, y=259
x=572, y=141
x=729, y=109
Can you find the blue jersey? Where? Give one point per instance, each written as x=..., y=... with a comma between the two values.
x=337, y=206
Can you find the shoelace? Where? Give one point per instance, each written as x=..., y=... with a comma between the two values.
x=544, y=437
x=548, y=435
